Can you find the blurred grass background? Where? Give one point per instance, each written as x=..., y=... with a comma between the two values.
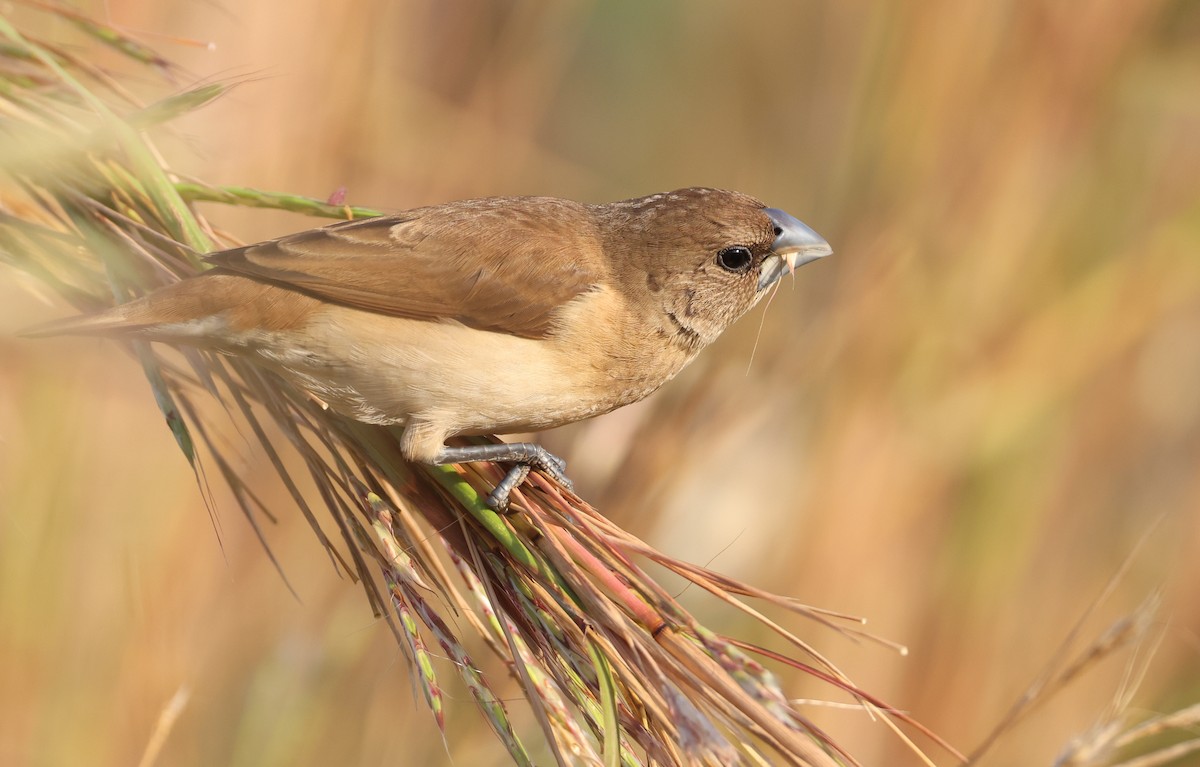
x=959, y=427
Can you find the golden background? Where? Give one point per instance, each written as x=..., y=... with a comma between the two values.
x=960, y=426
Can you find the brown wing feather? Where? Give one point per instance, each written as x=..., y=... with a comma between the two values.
x=500, y=264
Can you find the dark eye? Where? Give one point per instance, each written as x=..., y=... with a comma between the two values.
x=736, y=258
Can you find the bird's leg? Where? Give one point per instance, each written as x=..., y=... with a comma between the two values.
x=525, y=455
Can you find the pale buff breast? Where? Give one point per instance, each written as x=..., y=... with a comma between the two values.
x=442, y=378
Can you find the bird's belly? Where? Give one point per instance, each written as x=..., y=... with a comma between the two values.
x=463, y=380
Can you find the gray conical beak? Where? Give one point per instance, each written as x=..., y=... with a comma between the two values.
x=795, y=245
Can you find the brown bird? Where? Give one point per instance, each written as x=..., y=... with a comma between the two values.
x=488, y=316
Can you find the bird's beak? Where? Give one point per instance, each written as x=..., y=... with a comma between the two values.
x=795, y=245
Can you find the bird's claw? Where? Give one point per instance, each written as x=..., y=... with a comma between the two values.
x=555, y=468
x=524, y=455
x=498, y=498
x=543, y=460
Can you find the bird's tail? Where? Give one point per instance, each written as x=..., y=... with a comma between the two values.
x=157, y=316
x=115, y=321
x=208, y=310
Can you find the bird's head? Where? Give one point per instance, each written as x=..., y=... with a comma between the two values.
x=703, y=257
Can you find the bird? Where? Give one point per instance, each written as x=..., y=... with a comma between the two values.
x=496, y=315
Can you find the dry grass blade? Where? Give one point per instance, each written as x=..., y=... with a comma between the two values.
x=166, y=720
x=1063, y=668
x=1103, y=744
x=612, y=666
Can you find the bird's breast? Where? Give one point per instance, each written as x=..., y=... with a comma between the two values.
x=390, y=370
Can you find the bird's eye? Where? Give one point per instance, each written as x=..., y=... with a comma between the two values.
x=736, y=258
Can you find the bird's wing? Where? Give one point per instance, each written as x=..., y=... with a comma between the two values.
x=498, y=265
